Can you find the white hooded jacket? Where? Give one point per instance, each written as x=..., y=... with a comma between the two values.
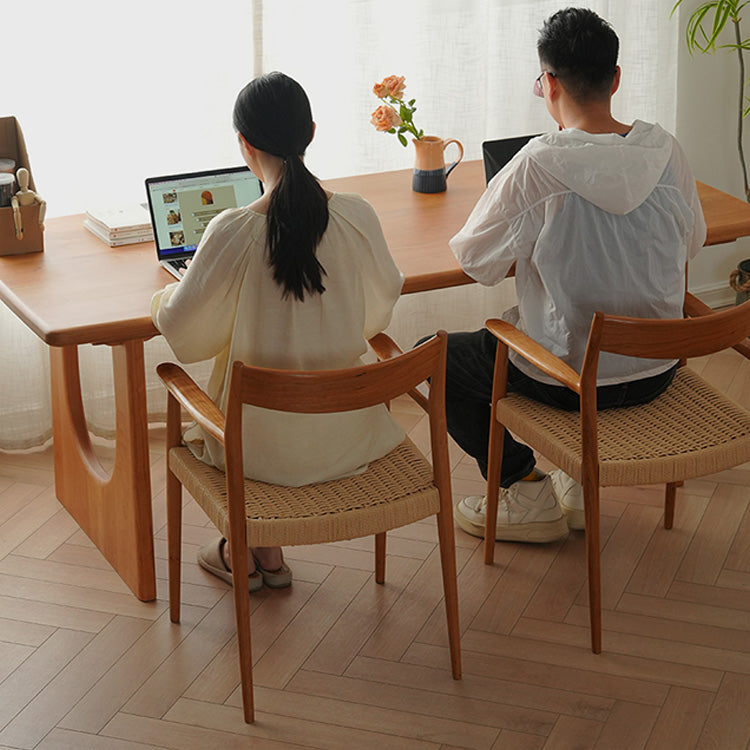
x=593, y=222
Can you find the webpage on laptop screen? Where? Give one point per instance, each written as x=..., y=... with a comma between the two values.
x=182, y=207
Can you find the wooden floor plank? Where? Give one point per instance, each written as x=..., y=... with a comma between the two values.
x=299, y=639
x=46, y=709
x=63, y=739
x=608, y=662
x=666, y=549
x=628, y=727
x=38, y=670
x=360, y=724
x=545, y=674
x=681, y=719
x=511, y=594
x=496, y=689
x=518, y=741
x=129, y=672
x=715, y=535
x=570, y=732
x=486, y=717
x=728, y=723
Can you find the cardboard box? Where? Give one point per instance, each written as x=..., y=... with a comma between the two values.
x=13, y=146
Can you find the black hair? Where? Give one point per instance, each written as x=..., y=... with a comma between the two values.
x=273, y=114
x=581, y=49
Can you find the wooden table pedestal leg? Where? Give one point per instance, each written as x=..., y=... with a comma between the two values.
x=113, y=508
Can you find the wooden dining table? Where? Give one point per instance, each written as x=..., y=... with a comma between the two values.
x=80, y=291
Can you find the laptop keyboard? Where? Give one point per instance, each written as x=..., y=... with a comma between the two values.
x=179, y=264
x=176, y=267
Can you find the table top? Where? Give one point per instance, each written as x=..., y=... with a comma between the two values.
x=81, y=291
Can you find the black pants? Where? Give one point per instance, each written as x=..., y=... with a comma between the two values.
x=468, y=396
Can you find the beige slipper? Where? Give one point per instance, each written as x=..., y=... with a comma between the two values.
x=211, y=558
x=275, y=579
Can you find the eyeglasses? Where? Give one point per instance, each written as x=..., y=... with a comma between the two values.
x=538, y=91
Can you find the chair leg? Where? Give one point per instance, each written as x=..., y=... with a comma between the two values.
x=447, y=542
x=669, y=497
x=380, y=557
x=494, y=463
x=174, y=543
x=174, y=510
x=239, y=554
x=593, y=559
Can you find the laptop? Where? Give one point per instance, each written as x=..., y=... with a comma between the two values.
x=181, y=206
x=498, y=153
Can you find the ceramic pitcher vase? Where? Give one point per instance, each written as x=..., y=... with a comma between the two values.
x=430, y=171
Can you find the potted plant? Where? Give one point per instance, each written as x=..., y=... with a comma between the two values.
x=705, y=26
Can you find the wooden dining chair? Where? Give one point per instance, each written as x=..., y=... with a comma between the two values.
x=396, y=490
x=691, y=430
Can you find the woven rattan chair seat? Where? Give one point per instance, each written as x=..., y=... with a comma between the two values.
x=347, y=508
x=691, y=430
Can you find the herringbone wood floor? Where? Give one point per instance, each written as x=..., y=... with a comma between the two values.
x=344, y=663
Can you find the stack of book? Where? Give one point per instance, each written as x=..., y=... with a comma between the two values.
x=120, y=226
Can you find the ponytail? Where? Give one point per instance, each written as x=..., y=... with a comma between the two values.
x=297, y=219
x=273, y=114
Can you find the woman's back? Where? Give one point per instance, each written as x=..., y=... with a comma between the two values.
x=229, y=306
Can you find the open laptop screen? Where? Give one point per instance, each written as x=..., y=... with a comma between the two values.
x=182, y=205
x=498, y=153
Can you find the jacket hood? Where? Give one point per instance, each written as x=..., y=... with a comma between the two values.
x=613, y=172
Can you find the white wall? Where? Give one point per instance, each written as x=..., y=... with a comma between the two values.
x=706, y=126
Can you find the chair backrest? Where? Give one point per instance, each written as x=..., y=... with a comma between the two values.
x=667, y=339
x=325, y=391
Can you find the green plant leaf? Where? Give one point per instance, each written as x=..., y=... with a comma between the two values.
x=402, y=138
x=695, y=33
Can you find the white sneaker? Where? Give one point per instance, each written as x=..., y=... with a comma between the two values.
x=526, y=512
x=570, y=496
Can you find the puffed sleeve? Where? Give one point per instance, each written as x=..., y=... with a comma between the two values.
x=196, y=315
x=382, y=280
x=499, y=229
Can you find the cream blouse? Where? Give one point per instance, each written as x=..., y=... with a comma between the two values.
x=228, y=306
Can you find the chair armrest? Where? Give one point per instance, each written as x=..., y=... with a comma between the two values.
x=535, y=353
x=386, y=348
x=694, y=308
x=193, y=399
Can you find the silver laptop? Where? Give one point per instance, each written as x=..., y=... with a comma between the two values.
x=182, y=205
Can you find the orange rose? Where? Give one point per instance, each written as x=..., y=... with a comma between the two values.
x=385, y=117
x=395, y=86
x=391, y=86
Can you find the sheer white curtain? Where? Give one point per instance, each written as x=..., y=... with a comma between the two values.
x=108, y=94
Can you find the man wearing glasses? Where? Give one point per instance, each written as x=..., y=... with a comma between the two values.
x=601, y=215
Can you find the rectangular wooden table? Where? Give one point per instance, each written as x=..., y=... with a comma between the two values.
x=79, y=291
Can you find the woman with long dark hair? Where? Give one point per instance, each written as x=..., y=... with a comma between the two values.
x=299, y=279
